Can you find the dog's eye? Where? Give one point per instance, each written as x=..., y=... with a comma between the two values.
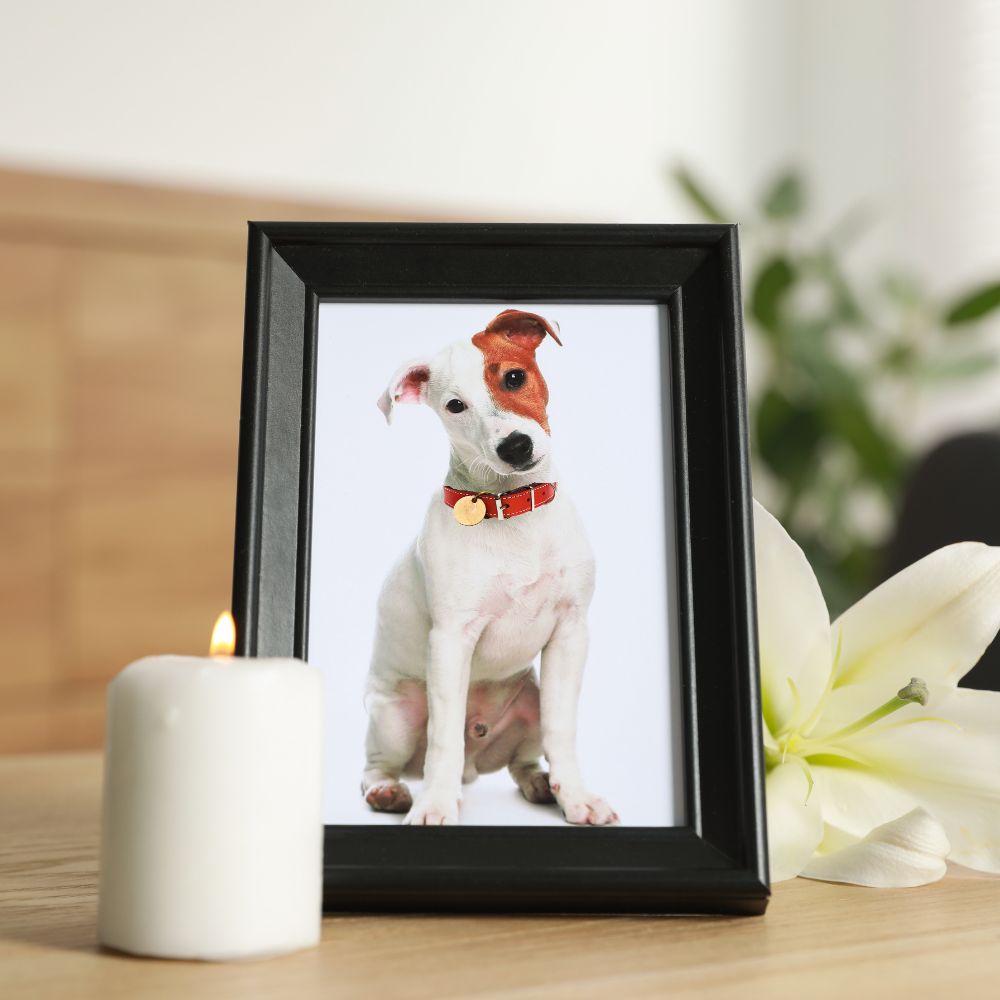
x=514, y=379
x=454, y=406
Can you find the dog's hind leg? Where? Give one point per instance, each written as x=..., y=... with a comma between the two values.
x=532, y=779
x=397, y=726
x=524, y=766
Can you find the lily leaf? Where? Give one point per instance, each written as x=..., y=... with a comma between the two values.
x=974, y=306
x=845, y=303
x=900, y=357
x=809, y=345
x=785, y=198
x=850, y=227
x=776, y=277
x=787, y=433
x=698, y=196
x=944, y=369
x=903, y=289
x=879, y=454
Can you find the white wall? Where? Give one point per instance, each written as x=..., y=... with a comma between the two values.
x=554, y=109
x=567, y=108
x=898, y=110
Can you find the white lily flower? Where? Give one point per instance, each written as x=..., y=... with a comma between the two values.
x=878, y=765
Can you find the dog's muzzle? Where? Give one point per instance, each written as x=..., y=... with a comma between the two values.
x=516, y=450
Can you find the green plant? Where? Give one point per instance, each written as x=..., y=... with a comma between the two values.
x=839, y=365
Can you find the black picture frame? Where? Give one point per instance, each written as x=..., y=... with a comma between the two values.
x=717, y=862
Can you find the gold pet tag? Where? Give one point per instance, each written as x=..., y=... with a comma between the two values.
x=469, y=510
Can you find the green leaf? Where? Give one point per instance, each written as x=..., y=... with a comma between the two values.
x=698, y=196
x=903, y=289
x=850, y=227
x=846, y=308
x=787, y=433
x=974, y=306
x=809, y=345
x=785, y=198
x=900, y=357
x=944, y=369
x=773, y=281
x=880, y=457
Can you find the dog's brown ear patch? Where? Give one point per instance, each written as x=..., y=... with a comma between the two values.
x=508, y=344
x=524, y=328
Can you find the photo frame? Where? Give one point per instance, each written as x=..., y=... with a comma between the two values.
x=679, y=284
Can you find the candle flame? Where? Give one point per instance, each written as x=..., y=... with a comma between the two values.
x=223, y=636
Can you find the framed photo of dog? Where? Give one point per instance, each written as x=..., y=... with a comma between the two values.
x=494, y=482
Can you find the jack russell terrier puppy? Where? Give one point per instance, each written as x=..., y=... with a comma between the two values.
x=500, y=572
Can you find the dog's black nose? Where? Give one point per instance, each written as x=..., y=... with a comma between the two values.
x=515, y=449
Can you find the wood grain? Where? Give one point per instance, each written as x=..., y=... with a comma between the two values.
x=121, y=319
x=816, y=941
x=151, y=463
x=48, y=209
x=31, y=381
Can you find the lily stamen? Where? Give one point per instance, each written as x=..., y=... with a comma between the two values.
x=914, y=693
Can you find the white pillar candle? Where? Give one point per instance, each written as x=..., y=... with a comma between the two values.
x=212, y=834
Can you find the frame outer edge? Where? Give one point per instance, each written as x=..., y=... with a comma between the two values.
x=744, y=889
x=744, y=513
x=253, y=419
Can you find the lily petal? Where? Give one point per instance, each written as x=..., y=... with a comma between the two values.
x=794, y=821
x=932, y=620
x=857, y=799
x=950, y=767
x=793, y=624
x=770, y=743
x=907, y=851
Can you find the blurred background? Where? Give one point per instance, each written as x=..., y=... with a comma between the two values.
x=857, y=142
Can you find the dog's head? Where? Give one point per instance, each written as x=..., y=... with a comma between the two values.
x=488, y=392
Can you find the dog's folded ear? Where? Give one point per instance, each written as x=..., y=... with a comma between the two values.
x=523, y=328
x=408, y=385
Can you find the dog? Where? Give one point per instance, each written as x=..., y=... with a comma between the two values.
x=500, y=572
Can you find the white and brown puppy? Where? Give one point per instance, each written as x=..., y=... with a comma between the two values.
x=462, y=616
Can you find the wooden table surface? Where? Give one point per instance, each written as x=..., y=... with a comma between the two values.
x=816, y=940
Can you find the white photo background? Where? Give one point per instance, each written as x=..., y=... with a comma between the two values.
x=372, y=486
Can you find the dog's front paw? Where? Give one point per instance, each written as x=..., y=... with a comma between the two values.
x=433, y=808
x=583, y=809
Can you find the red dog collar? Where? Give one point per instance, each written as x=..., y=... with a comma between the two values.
x=510, y=504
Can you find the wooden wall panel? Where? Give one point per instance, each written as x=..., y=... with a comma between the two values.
x=121, y=319
x=30, y=433
x=156, y=344
x=30, y=371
